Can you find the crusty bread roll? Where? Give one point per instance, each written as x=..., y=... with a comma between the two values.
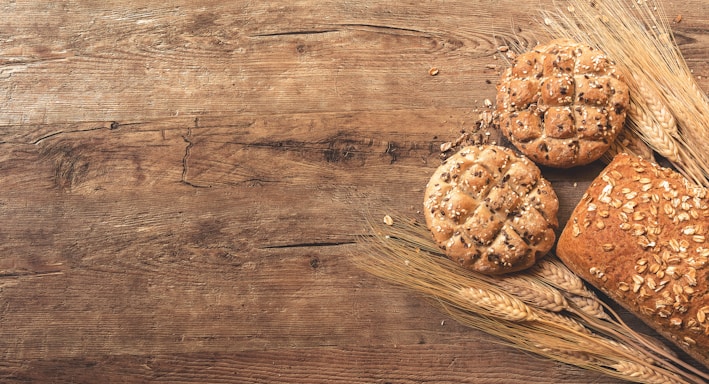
x=491, y=210
x=639, y=235
x=562, y=104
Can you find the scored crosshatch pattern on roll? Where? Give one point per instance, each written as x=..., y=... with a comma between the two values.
x=491, y=209
x=562, y=103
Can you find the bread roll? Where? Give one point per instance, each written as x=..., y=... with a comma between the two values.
x=491, y=210
x=562, y=104
x=639, y=235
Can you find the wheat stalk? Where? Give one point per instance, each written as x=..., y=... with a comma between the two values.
x=406, y=255
x=563, y=339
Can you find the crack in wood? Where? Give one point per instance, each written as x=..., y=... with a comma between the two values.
x=291, y=33
x=30, y=274
x=55, y=134
x=185, y=159
x=382, y=27
x=349, y=25
x=310, y=244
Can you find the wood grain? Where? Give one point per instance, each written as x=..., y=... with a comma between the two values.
x=183, y=185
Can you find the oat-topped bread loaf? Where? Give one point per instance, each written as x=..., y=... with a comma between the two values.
x=562, y=104
x=639, y=234
x=491, y=210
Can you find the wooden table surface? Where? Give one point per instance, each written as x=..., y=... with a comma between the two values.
x=183, y=184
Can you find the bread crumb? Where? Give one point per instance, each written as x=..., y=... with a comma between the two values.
x=433, y=71
x=388, y=220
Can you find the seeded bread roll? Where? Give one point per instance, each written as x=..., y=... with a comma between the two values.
x=638, y=235
x=561, y=104
x=491, y=210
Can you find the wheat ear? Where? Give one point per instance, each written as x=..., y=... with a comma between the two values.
x=533, y=293
x=498, y=304
x=655, y=105
x=646, y=126
x=566, y=321
x=588, y=305
x=643, y=373
x=556, y=274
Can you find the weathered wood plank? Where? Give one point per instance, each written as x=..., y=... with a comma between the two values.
x=397, y=364
x=182, y=185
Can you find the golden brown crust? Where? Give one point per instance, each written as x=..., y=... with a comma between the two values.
x=491, y=210
x=638, y=234
x=561, y=104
